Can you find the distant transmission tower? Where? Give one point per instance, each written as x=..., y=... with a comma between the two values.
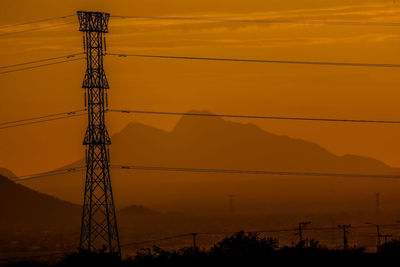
x=99, y=230
x=345, y=228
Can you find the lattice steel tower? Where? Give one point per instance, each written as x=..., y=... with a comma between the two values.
x=99, y=225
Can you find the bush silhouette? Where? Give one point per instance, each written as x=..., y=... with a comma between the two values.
x=245, y=249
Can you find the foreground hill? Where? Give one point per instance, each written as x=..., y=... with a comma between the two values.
x=7, y=173
x=23, y=208
x=216, y=143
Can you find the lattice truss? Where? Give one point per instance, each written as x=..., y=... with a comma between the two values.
x=99, y=225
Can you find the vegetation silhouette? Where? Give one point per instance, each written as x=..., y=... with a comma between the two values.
x=246, y=249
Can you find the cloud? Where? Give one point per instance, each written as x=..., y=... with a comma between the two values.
x=129, y=34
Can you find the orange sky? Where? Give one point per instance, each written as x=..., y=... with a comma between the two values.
x=220, y=87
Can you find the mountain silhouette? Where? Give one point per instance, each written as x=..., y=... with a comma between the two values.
x=217, y=143
x=7, y=173
x=137, y=210
x=23, y=208
x=212, y=142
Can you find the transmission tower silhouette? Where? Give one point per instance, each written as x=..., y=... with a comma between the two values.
x=99, y=231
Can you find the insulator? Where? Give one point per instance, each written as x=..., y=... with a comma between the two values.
x=86, y=155
x=106, y=100
x=105, y=44
x=84, y=43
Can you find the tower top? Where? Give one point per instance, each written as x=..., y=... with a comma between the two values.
x=93, y=21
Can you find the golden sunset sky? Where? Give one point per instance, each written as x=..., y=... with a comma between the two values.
x=218, y=87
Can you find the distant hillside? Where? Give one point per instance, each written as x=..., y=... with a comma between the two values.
x=135, y=210
x=22, y=208
x=7, y=173
x=213, y=142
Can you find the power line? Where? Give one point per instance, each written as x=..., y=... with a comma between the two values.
x=155, y=240
x=42, y=65
x=197, y=170
x=41, y=121
x=35, y=21
x=40, y=60
x=43, y=117
x=324, y=63
x=254, y=172
x=201, y=233
x=258, y=231
x=47, y=174
x=266, y=21
x=36, y=29
x=251, y=116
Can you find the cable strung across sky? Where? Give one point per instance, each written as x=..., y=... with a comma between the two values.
x=44, y=116
x=41, y=65
x=325, y=63
x=81, y=112
x=41, y=119
x=35, y=21
x=47, y=174
x=71, y=57
x=37, y=29
x=179, y=236
x=266, y=21
x=156, y=240
x=224, y=19
x=250, y=116
x=202, y=170
x=254, y=172
x=40, y=60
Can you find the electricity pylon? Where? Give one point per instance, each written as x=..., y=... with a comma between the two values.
x=345, y=228
x=99, y=231
x=302, y=225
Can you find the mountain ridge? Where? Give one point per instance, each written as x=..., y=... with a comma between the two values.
x=7, y=173
x=20, y=205
x=212, y=142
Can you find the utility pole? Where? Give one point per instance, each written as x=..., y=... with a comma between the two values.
x=194, y=243
x=345, y=232
x=386, y=237
x=378, y=233
x=301, y=228
x=99, y=231
x=379, y=237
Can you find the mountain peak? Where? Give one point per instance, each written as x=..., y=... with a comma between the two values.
x=137, y=128
x=195, y=125
x=188, y=120
x=208, y=142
